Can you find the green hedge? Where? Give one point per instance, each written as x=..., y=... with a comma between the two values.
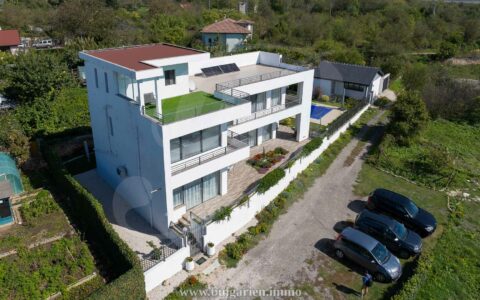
x=314, y=144
x=270, y=180
x=89, y=217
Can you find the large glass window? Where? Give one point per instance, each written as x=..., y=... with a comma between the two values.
x=210, y=138
x=258, y=102
x=198, y=191
x=175, y=150
x=125, y=86
x=354, y=86
x=276, y=97
x=191, y=144
x=195, y=143
x=170, y=77
x=178, y=197
x=266, y=132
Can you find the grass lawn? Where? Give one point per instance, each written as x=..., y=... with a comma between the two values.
x=187, y=106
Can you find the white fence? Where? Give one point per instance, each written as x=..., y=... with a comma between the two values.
x=166, y=269
x=216, y=232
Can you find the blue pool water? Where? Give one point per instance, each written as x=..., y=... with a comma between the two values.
x=317, y=112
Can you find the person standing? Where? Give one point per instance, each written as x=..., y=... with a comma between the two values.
x=367, y=281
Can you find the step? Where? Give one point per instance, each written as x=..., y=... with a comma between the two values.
x=184, y=222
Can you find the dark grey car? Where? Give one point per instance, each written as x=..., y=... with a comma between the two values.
x=389, y=232
x=368, y=253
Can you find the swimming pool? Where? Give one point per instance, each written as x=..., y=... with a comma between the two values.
x=317, y=112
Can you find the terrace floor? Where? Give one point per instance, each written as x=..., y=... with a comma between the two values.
x=207, y=84
x=243, y=177
x=186, y=106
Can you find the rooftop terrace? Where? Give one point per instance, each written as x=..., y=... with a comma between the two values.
x=186, y=106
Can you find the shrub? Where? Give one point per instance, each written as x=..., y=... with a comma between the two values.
x=270, y=180
x=325, y=98
x=312, y=145
x=234, y=250
x=223, y=213
x=382, y=102
x=41, y=206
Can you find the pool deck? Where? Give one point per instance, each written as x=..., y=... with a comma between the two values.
x=329, y=117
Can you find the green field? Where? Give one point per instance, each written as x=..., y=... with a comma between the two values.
x=186, y=106
x=445, y=153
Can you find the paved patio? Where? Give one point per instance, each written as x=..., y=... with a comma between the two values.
x=129, y=225
x=242, y=177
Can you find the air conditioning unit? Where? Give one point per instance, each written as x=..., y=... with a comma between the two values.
x=122, y=171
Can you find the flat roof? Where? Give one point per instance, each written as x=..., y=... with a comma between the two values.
x=132, y=57
x=207, y=84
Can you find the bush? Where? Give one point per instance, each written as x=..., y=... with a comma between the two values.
x=42, y=205
x=312, y=145
x=382, y=102
x=223, y=213
x=325, y=98
x=270, y=180
x=13, y=139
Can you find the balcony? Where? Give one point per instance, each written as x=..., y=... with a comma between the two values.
x=186, y=106
x=252, y=79
x=233, y=144
x=290, y=101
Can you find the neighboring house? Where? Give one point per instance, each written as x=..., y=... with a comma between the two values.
x=227, y=33
x=9, y=40
x=347, y=80
x=170, y=123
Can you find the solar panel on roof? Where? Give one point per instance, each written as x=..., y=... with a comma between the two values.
x=212, y=71
x=228, y=68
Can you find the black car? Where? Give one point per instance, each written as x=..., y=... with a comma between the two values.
x=403, y=210
x=389, y=232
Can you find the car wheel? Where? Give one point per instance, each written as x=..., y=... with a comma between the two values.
x=339, y=253
x=380, y=277
x=404, y=254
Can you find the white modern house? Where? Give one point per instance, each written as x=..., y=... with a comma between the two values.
x=170, y=123
x=348, y=80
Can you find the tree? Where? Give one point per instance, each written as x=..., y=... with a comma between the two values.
x=409, y=116
x=415, y=77
x=12, y=138
x=447, y=50
x=35, y=74
x=167, y=28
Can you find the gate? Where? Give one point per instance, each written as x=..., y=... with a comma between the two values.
x=195, y=236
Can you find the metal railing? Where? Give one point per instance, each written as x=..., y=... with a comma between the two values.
x=290, y=102
x=157, y=256
x=253, y=79
x=233, y=144
x=344, y=118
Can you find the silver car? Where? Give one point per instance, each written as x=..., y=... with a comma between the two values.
x=368, y=253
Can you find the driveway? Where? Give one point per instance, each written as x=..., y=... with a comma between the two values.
x=284, y=258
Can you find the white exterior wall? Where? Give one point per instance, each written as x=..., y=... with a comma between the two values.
x=166, y=269
x=324, y=85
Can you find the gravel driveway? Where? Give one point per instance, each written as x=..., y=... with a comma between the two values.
x=282, y=259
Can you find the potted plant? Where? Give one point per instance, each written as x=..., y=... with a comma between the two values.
x=189, y=264
x=210, y=249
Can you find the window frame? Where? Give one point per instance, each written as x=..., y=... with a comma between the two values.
x=354, y=86
x=168, y=80
x=181, y=189
x=202, y=147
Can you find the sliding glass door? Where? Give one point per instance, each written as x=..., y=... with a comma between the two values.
x=258, y=102
x=198, y=191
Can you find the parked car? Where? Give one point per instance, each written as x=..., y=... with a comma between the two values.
x=403, y=210
x=389, y=232
x=369, y=253
x=45, y=43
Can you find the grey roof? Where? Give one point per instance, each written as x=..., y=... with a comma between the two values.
x=346, y=72
x=359, y=238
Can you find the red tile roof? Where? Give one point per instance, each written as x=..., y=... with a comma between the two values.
x=225, y=26
x=9, y=38
x=132, y=57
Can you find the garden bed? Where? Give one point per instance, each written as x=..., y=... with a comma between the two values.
x=45, y=270
x=262, y=162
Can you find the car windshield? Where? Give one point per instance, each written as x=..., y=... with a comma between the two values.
x=411, y=208
x=400, y=231
x=381, y=253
